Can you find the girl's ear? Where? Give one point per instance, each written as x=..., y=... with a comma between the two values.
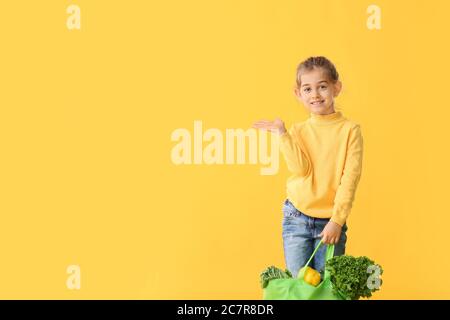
x=297, y=92
x=337, y=88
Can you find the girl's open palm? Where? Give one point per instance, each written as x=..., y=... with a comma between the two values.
x=275, y=126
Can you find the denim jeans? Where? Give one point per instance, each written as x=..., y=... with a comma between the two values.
x=300, y=238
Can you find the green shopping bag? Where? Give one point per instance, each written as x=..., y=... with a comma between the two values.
x=298, y=289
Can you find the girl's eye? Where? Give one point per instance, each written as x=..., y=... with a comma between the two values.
x=307, y=89
x=323, y=87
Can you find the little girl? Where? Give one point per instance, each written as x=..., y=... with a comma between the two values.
x=324, y=155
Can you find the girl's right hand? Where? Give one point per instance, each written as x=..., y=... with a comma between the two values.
x=276, y=126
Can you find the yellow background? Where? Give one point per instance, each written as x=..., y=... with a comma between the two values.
x=86, y=116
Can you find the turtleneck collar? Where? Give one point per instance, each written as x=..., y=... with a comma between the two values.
x=323, y=119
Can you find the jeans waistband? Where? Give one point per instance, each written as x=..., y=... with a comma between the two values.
x=297, y=213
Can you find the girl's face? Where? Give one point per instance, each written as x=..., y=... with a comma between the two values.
x=317, y=92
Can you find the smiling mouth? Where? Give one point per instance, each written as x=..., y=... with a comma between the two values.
x=315, y=103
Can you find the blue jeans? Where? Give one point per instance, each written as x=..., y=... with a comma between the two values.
x=300, y=238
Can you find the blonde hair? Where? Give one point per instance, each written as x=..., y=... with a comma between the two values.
x=317, y=62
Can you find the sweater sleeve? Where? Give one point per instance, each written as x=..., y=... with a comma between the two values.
x=350, y=178
x=292, y=149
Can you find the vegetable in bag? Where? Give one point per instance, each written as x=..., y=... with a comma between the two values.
x=354, y=277
x=311, y=276
x=273, y=273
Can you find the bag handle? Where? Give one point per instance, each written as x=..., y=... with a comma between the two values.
x=328, y=255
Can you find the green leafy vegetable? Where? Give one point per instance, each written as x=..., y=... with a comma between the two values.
x=353, y=277
x=273, y=273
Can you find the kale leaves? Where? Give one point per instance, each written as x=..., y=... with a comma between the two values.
x=353, y=277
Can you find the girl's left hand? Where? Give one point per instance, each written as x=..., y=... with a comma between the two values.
x=331, y=233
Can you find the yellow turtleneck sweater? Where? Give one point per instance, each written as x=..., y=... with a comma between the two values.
x=324, y=155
